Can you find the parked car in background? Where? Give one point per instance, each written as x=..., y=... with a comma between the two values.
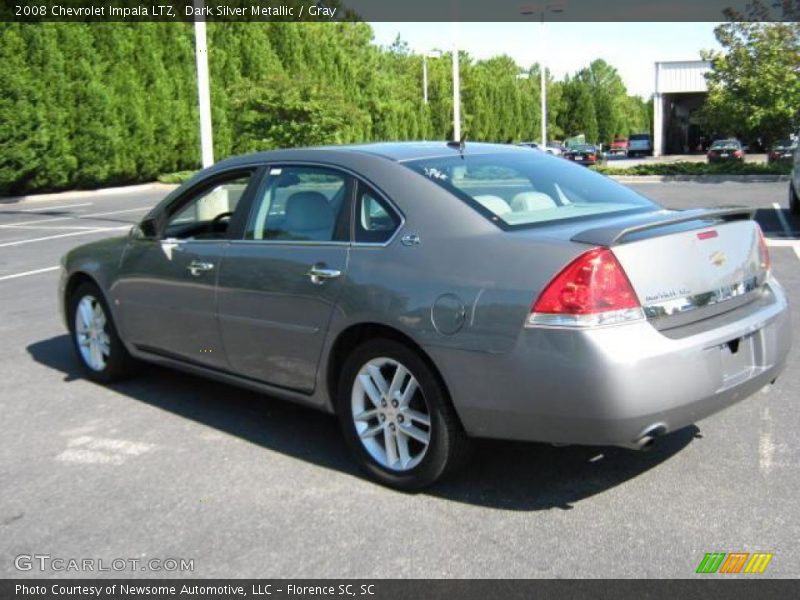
x=619, y=147
x=730, y=150
x=430, y=293
x=554, y=149
x=584, y=154
x=782, y=151
x=640, y=144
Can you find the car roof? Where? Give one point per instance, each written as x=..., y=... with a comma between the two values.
x=395, y=151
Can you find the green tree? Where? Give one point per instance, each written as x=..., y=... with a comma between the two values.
x=754, y=83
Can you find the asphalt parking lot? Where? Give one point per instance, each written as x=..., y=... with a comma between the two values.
x=172, y=466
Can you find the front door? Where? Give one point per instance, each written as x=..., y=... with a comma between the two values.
x=278, y=286
x=166, y=289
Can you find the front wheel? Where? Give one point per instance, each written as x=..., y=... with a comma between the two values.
x=397, y=418
x=100, y=350
x=794, y=201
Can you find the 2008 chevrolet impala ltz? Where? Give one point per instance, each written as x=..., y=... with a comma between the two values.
x=428, y=293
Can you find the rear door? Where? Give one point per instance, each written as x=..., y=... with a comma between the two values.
x=166, y=286
x=278, y=286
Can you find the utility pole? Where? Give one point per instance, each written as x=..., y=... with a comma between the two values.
x=556, y=6
x=456, y=93
x=203, y=91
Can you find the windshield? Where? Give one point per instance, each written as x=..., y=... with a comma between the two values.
x=640, y=137
x=725, y=145
x=519, y=190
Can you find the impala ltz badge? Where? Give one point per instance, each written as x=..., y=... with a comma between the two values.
x=718, y=258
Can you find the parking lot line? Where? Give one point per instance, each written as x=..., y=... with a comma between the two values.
x=63, y=235
x=46, y=208
x=26, y=273
x=52, y=227
x=82, y=216
x=787, y=229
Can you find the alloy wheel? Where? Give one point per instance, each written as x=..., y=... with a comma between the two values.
x=91, y=333
x=391, y=416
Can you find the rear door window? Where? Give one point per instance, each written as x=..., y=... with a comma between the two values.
x=302, y=204
x=376, y=220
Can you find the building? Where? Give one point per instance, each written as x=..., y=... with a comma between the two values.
x=680, y=91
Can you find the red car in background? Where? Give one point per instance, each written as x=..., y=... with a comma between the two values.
x=782, y=151
x=619, y=147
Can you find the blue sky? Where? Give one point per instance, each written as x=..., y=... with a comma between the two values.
x=631, y=47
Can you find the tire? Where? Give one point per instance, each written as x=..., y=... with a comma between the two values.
x=794, y=201
x=97, y=338
x=447, y=447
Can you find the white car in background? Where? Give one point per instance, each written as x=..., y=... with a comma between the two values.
x=553, y=148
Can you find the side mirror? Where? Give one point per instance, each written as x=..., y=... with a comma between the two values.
x=146, y=230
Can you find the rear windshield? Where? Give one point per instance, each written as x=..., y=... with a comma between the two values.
x=725, y=145
x=517, y=190
x=640, y=137
x=785, y=145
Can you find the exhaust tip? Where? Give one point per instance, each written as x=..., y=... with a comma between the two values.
x=645, y=441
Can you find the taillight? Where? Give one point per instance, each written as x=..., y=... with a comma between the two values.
x=738, y=154
x=763, y=251
x=591, y=290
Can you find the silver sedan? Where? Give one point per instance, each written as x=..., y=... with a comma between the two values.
x=430, y=293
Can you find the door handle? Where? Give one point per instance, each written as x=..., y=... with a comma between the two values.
x=196, y=267
x=319, y=273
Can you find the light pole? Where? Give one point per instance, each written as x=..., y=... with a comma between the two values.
x=203, y=92
x=425, y=78
x=541, y=9
x=425, y=57
x=456, y=94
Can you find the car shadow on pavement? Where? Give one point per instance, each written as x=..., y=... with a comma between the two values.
x=774, y=223
x=516, y=476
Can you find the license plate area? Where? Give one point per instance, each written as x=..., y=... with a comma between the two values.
x=738, y=358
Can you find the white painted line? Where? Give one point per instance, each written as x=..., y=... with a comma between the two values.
x=793, y=244
x=63, y=235
x=46, y=208
x=52, y=227
x=131, y=189
x=787, y=229
x=782, y=243
x=91, y=450
x=76, y=217
x=26, y=273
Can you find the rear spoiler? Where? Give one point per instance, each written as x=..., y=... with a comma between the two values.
x=612, y=234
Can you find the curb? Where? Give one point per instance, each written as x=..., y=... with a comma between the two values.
x=130, y=189
x=700, y=178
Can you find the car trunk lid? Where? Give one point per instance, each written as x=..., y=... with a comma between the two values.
x=687, y=265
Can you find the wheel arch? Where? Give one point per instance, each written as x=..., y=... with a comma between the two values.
x=355, y=335
x=74, y=281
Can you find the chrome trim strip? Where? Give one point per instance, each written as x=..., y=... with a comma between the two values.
x=685, y=304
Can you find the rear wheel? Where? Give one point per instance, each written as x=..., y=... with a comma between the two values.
x=397, y=418
x=794, y=201
x=94, y=337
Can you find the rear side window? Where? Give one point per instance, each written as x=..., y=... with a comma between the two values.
x=302, y=204
x=520, y=189
x=376, y=220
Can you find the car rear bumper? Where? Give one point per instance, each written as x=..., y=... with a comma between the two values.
x=609, y=386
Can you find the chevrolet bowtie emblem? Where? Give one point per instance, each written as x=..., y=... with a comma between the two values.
x=718, y=258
